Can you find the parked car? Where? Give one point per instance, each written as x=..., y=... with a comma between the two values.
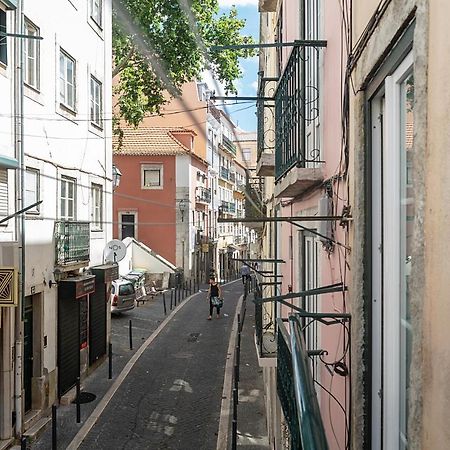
x=123, y=296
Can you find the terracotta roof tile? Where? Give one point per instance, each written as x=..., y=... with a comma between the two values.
x=150, y=141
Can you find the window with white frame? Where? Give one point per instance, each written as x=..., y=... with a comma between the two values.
x=68, y=188
x=96, y=102
x=151, y=176
x=3, y=193
x=32, y=189
x=247, y=154
x=3, y=40
x=97, y=12
x=67, y=86
x=97, y=207
x=31, y=55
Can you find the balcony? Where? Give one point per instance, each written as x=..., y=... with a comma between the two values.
x=232, y=177
x=72, y=241
x=228, y=146
x=265, y=113
x=228, y=207
x=254, y=206
x=298, y=162
x=224, y=173
x=295, y=387
x=203, y=195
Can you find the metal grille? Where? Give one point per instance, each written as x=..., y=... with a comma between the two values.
x=71, y=242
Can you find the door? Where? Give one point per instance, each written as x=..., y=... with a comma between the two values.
x=392, y=128
x=28, y=351
x=97, y=322
x=128, y=224
x=68, y=343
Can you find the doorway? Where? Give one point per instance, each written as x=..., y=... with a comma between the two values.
x=127, y=225
x=28, y=351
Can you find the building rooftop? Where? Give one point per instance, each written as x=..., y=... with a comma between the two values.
x=150, y=141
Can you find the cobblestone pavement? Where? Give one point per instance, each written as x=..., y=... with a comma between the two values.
x=171, y=399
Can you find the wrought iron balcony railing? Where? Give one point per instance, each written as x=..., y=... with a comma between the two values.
x=295, y=386
x=203, y=194
x=297, y=112
x=228, y=207
x=72, y=242
x=224, y=173
x=228, y=145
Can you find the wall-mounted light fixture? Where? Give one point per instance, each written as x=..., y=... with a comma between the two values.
x=182, y=207
x=116, y=174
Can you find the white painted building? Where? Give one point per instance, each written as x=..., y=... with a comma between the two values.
x=66, y=97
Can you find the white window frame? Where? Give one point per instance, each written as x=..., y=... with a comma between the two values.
x=32, y=59
x=4, y=39
x=96, y=207
x=36, y=209
x=96, y=102
x=145, y=167
x=386, y=273
x=96, y=12
x=66, y=199
x=64, y=84
x=4, y=195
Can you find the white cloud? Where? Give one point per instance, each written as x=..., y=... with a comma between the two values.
x=228, y=3
x=255, y=85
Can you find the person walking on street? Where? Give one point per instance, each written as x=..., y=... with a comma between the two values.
x=215, y=297
x=245, y=272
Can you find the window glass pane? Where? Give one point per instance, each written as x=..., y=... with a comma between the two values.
x=3, y=41
x=151, y=177
x=407, y=211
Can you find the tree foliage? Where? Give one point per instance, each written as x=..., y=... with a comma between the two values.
x=159, y=45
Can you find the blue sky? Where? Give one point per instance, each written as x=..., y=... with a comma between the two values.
x=247, y=9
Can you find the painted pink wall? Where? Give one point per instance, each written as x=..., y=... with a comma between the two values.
x=332, y=266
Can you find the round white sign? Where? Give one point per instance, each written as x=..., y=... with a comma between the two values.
x=115, y=251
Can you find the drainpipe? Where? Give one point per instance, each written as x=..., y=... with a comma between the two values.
x=20, y=220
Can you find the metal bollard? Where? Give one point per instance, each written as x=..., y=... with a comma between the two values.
x=78, y=400
x=164, y=303
x=190, y=286
x=234, y=435
x=23, y=443
x=110, y=361
x=131, y=335
x=54, y=424
x=171, y=298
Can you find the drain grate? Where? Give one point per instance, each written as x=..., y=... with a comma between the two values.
x=193, y=337
x=86, y=397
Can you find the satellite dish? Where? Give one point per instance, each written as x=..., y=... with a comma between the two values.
x=115, y=251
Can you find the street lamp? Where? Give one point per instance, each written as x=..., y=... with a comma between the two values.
x=182, y=207
x=116, y=174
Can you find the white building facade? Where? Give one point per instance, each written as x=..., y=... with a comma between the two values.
x=62, y=327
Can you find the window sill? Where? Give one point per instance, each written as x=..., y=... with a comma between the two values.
x=95, y=129
x=3, y=69
x=66, y=112
x=98, y=30
x=152, y=188
x=33, y=94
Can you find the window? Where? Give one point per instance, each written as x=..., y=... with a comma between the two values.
x=3, y=193
x=97, y=207
x=152, y=176
x=96, y=102
x=68, y=198
x=31, y=56
x=96, y=11
x=247, y=154
x=32, y=189
x=67, y=80
x=3, y=41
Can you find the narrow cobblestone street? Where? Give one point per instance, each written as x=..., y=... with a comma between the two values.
x=172, y=396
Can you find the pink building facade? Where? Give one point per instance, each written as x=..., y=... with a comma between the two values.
x=302, y=155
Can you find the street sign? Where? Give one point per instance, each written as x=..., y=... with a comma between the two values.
x=115, y=251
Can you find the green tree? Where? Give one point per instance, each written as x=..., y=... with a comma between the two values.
x=159, y=45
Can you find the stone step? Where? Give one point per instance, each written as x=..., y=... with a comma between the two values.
x=5, y=443
x=31, y=418
x=37, y=429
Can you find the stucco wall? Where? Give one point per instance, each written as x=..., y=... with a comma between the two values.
x=394, y=17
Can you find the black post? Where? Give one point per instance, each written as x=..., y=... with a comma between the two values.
x=54, y=445
x=171, y=298
x=131, y=335
x=23, y=443
x=110, y=361
x=164, y=303
x=234, y=435
x=190, y=286
x=78, y=401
